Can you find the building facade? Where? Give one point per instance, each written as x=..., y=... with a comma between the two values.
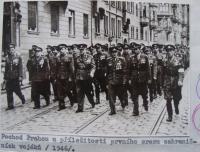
x=92, y=22
x=45, y=23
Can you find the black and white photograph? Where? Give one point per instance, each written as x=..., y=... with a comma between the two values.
x=99, y=68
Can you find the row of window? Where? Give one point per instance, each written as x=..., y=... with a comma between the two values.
x=115, y=26
x=134, y=30
x=131, y=7
x=33, y=20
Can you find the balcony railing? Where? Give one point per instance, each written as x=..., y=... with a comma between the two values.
x=161, y=14
x=153, y=24
x=144, y=21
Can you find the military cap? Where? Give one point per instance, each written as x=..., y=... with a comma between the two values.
x=120, y=45
x=81, y=47
x=142, y=45
x=97, y=45
x=113, y=49
x=50, y=47
x=133, y=44
x=75, y=46
x=70, y=47
x=61, y=46
x=34, y=47
x=55, y=48
x=105, y=47
x=126, y=46
x=38, y=49
x=155, y=45
x=169, y=47
x=119, y=48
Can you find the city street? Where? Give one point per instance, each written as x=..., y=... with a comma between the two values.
x=96, y=121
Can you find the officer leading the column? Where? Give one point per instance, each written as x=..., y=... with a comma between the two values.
x=140, y=76
x=84, y=72
x=117, y=78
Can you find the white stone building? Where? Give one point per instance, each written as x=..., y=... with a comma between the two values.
x=45, y=23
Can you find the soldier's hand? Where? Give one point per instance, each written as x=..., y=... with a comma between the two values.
x=154, y=78
x=129, y=82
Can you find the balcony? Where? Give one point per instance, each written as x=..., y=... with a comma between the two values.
x=144, y=21
x=153, y=5
x=168, y=29
x=183, y=34
x=175, y=19
x=162, y=14
x=174, y=6
x=153, y=24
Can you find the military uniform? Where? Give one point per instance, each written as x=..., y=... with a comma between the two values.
x=126, y=55
x=84, y=69
x=160, y=65
x=52, y=58
x=40, y=79
x=29, y=65
x=153, y=77
x=172, y=83
x=117, y=78
x=100, y=59
x=13, y=76
x=64, y=75
x=139, y=76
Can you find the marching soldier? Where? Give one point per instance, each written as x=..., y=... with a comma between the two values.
x=160, y=65
x=31, y=57
x=52, y=58
x=153, y=72
x=84, y=71
x=140, y=77
x=126, y=55
x=13, y=76
x=116, y=76
x=64, y=75
x=40, y=78
x=100, y=59
x=29, y=65
x=173, y=81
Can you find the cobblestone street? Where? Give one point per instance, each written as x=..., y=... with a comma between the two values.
x=96, y=121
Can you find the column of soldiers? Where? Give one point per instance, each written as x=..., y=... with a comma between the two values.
x=120, y=71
